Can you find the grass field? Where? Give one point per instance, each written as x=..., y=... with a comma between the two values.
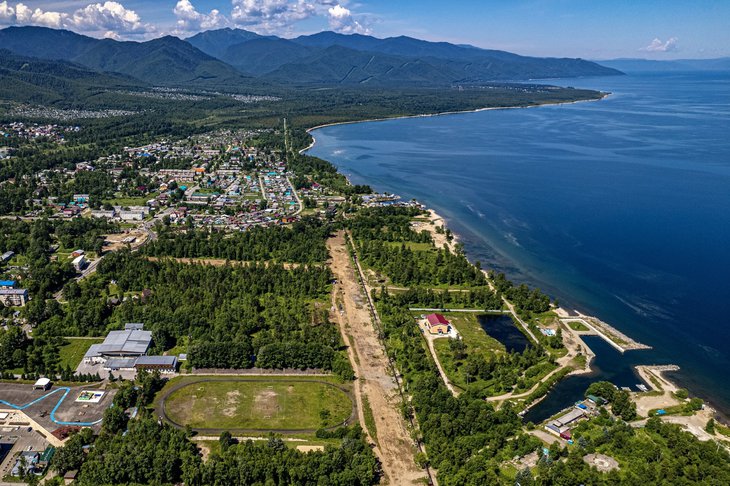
x=578, y=326
x=474, y=336
x=292, y=404
x=73, y=352
x=411, y=245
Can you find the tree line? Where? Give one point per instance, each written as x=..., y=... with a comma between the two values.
x=302, y=242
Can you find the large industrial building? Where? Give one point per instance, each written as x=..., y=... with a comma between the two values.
x=130, y=343
x=127, y=351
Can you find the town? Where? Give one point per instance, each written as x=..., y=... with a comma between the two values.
x=123, y=307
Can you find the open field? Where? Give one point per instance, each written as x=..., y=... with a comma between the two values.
x=119, y=241
x=578, y=326
x=72, y=353
x=231, y=403
x=473, y=334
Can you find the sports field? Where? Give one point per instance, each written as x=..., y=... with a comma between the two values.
x=284, y=405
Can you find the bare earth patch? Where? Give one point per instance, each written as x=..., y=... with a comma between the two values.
x=266, y=403
x=601, y=462
x=395, y=447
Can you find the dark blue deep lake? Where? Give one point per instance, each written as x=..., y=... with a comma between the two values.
x=619, y=208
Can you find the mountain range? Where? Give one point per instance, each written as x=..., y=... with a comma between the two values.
x=164, y=61
x=240, y=59
x=332, y=58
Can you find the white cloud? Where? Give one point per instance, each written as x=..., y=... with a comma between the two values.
x=109, y=16
x=190, y=20
x=113, y=20
x=269, y=16
x=108, y=19
x=341, y=20
x=658, y=46
x=24, y=15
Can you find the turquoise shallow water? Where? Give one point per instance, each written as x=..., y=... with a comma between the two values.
x=619, y=208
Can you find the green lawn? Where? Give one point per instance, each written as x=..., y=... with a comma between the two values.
x=478, y=341
x=474, y=336
x=446, y=358
x=411, y=245
x=578, y=326
x=73, y=352
x=296, y=404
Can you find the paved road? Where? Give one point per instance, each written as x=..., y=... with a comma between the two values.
x=299, y=201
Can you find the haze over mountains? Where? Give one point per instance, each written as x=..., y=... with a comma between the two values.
x=719, y=64
x=238, y=58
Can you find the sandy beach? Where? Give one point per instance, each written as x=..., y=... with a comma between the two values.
x=438, y=235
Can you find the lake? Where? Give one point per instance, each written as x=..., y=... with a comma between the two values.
x=619, y=208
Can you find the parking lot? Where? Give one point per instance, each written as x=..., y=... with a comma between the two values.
x=42, y=411
x=22, y=438
x=94, y=368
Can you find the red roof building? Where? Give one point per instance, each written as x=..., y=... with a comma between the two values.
x=438, y=324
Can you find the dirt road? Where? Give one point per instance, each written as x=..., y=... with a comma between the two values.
x=219, y=262
x=395, y=447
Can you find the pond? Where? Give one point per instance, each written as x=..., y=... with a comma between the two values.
x=503, y=329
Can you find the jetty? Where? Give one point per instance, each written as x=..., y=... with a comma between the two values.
x=597, y=327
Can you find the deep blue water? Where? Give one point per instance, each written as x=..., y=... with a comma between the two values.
x=504, y=330
x=620, y=208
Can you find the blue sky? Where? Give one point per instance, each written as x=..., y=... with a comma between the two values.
x=592, y=29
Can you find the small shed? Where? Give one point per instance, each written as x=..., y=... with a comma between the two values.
x=42, y=384
x=69, y=477
x=597, y=400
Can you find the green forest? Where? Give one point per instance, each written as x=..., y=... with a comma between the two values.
x=302, y=242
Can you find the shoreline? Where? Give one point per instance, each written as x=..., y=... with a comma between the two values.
x=599, y=328
x=604, y=95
